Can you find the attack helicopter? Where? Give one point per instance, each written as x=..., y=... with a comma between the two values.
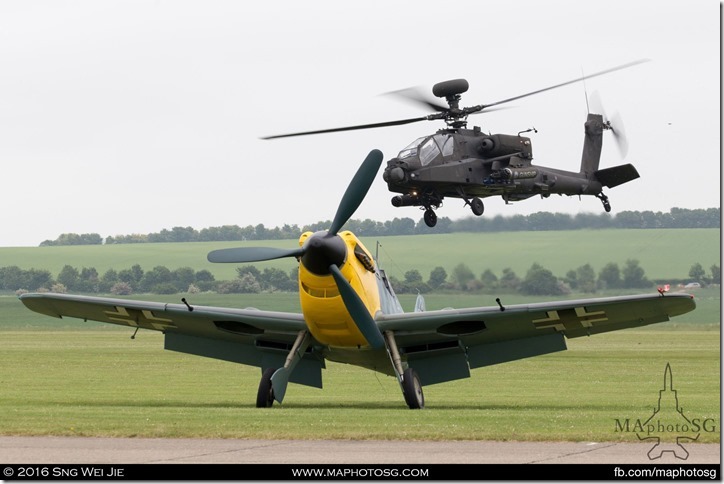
x=457, y=162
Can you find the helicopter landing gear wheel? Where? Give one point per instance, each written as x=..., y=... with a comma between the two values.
x=412, y=389
x=476, y=205
x=604, y=200
x=265, y=395
x=430, y=217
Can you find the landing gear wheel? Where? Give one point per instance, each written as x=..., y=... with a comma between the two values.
x=430, y=217
x=476, y=205
x=265, y=395
x=412, y=389
x=604, y=200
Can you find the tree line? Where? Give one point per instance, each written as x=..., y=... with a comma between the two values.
x=676, y=218
x=161, y=280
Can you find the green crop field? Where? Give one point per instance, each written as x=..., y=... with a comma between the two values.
x=662, y=253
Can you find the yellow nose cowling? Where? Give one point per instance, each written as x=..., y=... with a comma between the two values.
x=324, y=310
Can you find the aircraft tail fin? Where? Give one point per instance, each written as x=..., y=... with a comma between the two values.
x=419, y=303
x=616, y=175
x=592, y=144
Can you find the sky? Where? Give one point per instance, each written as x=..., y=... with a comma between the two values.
x=124, y=117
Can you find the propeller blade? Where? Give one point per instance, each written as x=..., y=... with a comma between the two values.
x=607, y=71
x=357, y=309
x=596, y=105
x=351, y=128
x=252, y=254
x=357, y=189
x=619, y=134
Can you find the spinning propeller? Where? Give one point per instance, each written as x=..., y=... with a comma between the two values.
x=452, y=114
x=324, y=252
x=614, y=123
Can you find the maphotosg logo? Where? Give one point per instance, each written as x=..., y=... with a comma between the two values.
x=668, y=428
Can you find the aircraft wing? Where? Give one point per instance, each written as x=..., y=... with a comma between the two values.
x=247, y=336
x=443, y=345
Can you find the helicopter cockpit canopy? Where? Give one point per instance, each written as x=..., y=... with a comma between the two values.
x=429, y=147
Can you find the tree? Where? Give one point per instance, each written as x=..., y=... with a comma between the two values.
x=241, y=271
x=12, y=278
x=540, y=281
x=131, y=276
x=121, y=289
x=571, y=279
x=276, y=279
x=697, y=272
x=156, y=279
x=586, y=278
x=203, y=276
x=461, y=275
x=69, y=277
x=38, y=279
x=183, y=277
x=248, y=284
x=107, y=280
x=413, y=280
x=88, y=280
x=437, y=277
x=413, y=276
x=715, y=274
x=610, y=276
x=633, y=275
x=509, y=280
x=489, y=280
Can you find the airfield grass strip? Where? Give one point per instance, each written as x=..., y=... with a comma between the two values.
x=101, y=383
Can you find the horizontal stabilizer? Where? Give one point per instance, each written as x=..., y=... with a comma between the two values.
x=617, y=175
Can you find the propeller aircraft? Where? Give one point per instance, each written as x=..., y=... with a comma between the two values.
x=468, y=164
x=350, y=314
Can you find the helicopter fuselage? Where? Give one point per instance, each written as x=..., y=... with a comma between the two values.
x=501, y=165
x=470, y=165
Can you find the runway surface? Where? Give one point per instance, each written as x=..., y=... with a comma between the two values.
x=89, y=450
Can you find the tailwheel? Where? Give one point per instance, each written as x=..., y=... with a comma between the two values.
x=476, y=205
x=430, y=217
x=265, y=395
x=604, y=200
x=412, y=389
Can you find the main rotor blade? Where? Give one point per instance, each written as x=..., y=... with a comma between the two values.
x=252, y=254
x=617, y=68
x=357, y=189
x=351, y=128
x=357, y=309
x=413, y=94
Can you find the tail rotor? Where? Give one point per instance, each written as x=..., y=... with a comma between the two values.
x=613, y=123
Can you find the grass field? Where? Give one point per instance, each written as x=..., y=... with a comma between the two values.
x=662, y=253
x=101, y=383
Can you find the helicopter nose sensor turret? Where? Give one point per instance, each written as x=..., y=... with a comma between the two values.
x=394, y=175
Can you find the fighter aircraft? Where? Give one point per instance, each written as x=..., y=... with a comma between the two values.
x=350, y=314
